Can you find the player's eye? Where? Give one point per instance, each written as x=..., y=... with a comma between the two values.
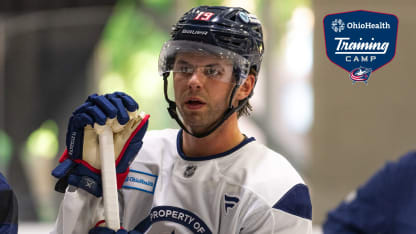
x=213, y=72
x=184, y=70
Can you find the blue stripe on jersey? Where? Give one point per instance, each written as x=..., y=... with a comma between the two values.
x=180, y=151
x=296, y=201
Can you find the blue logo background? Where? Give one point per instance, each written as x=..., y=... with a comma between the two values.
x=348, y=33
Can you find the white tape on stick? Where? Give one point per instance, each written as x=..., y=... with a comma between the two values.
x=108, y=176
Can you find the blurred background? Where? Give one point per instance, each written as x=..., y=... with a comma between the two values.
x=53, y=54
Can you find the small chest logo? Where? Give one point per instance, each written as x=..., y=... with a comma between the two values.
x=189, y=171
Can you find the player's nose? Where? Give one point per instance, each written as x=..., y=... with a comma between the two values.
x=196, y=80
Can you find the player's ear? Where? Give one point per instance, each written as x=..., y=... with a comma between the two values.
x=246, y=88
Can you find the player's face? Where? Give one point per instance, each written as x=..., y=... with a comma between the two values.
x=202, y=88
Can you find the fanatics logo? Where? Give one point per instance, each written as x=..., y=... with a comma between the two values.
x=230, y=202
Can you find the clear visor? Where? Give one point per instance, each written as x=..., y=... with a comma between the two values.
x=178, y=57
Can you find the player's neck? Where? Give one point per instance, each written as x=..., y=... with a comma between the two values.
x=226, y=137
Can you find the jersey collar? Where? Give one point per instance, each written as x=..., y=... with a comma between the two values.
x=209, y=157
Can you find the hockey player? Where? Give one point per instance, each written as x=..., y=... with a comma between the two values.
x=8, y=208
x=207, y=177
x=385, y=204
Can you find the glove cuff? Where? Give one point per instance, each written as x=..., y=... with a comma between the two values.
x=143, y=124
x=64, y=156
x=121, y=177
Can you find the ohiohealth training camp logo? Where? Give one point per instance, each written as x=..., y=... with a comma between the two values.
x=361, y=41
x=337, y=25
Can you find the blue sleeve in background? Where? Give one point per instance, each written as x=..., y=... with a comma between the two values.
x=385, y=204
x=8, y=208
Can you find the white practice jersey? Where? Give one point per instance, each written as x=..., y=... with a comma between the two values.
x=248, y=189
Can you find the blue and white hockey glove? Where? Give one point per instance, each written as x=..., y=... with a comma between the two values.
x=80, y=163
x=104, y=230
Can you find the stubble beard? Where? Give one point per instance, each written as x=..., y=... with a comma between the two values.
x=199, y=122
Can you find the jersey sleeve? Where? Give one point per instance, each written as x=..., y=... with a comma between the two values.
x=280, y=199
x=372, y=208
x=291, y=214
x=79, y=212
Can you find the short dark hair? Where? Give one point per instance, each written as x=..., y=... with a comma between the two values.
x=245, y=110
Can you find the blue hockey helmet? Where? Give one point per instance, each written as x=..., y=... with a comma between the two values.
x=230, y=33
x=233, y=31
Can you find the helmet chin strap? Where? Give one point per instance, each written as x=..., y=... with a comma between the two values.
x=174, y=114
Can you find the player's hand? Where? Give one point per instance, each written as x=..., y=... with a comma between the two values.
x=104, y=230
x=80, y=163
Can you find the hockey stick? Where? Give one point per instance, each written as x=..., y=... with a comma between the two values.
x=108, y=176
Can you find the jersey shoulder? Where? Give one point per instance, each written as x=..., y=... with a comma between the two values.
x=269, y=176
x=263, y=171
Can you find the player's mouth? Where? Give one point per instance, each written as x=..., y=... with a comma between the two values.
x=194, y=103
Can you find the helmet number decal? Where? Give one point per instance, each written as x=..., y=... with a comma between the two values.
x=204, y=16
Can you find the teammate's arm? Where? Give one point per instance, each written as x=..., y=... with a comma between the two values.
x=8, y=208
x=362, y=211
x=372, y=208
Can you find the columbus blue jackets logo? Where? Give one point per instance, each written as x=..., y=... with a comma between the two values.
x=360, y=74
x=360, y=42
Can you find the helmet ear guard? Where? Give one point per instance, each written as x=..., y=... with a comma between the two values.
x=226, y=32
